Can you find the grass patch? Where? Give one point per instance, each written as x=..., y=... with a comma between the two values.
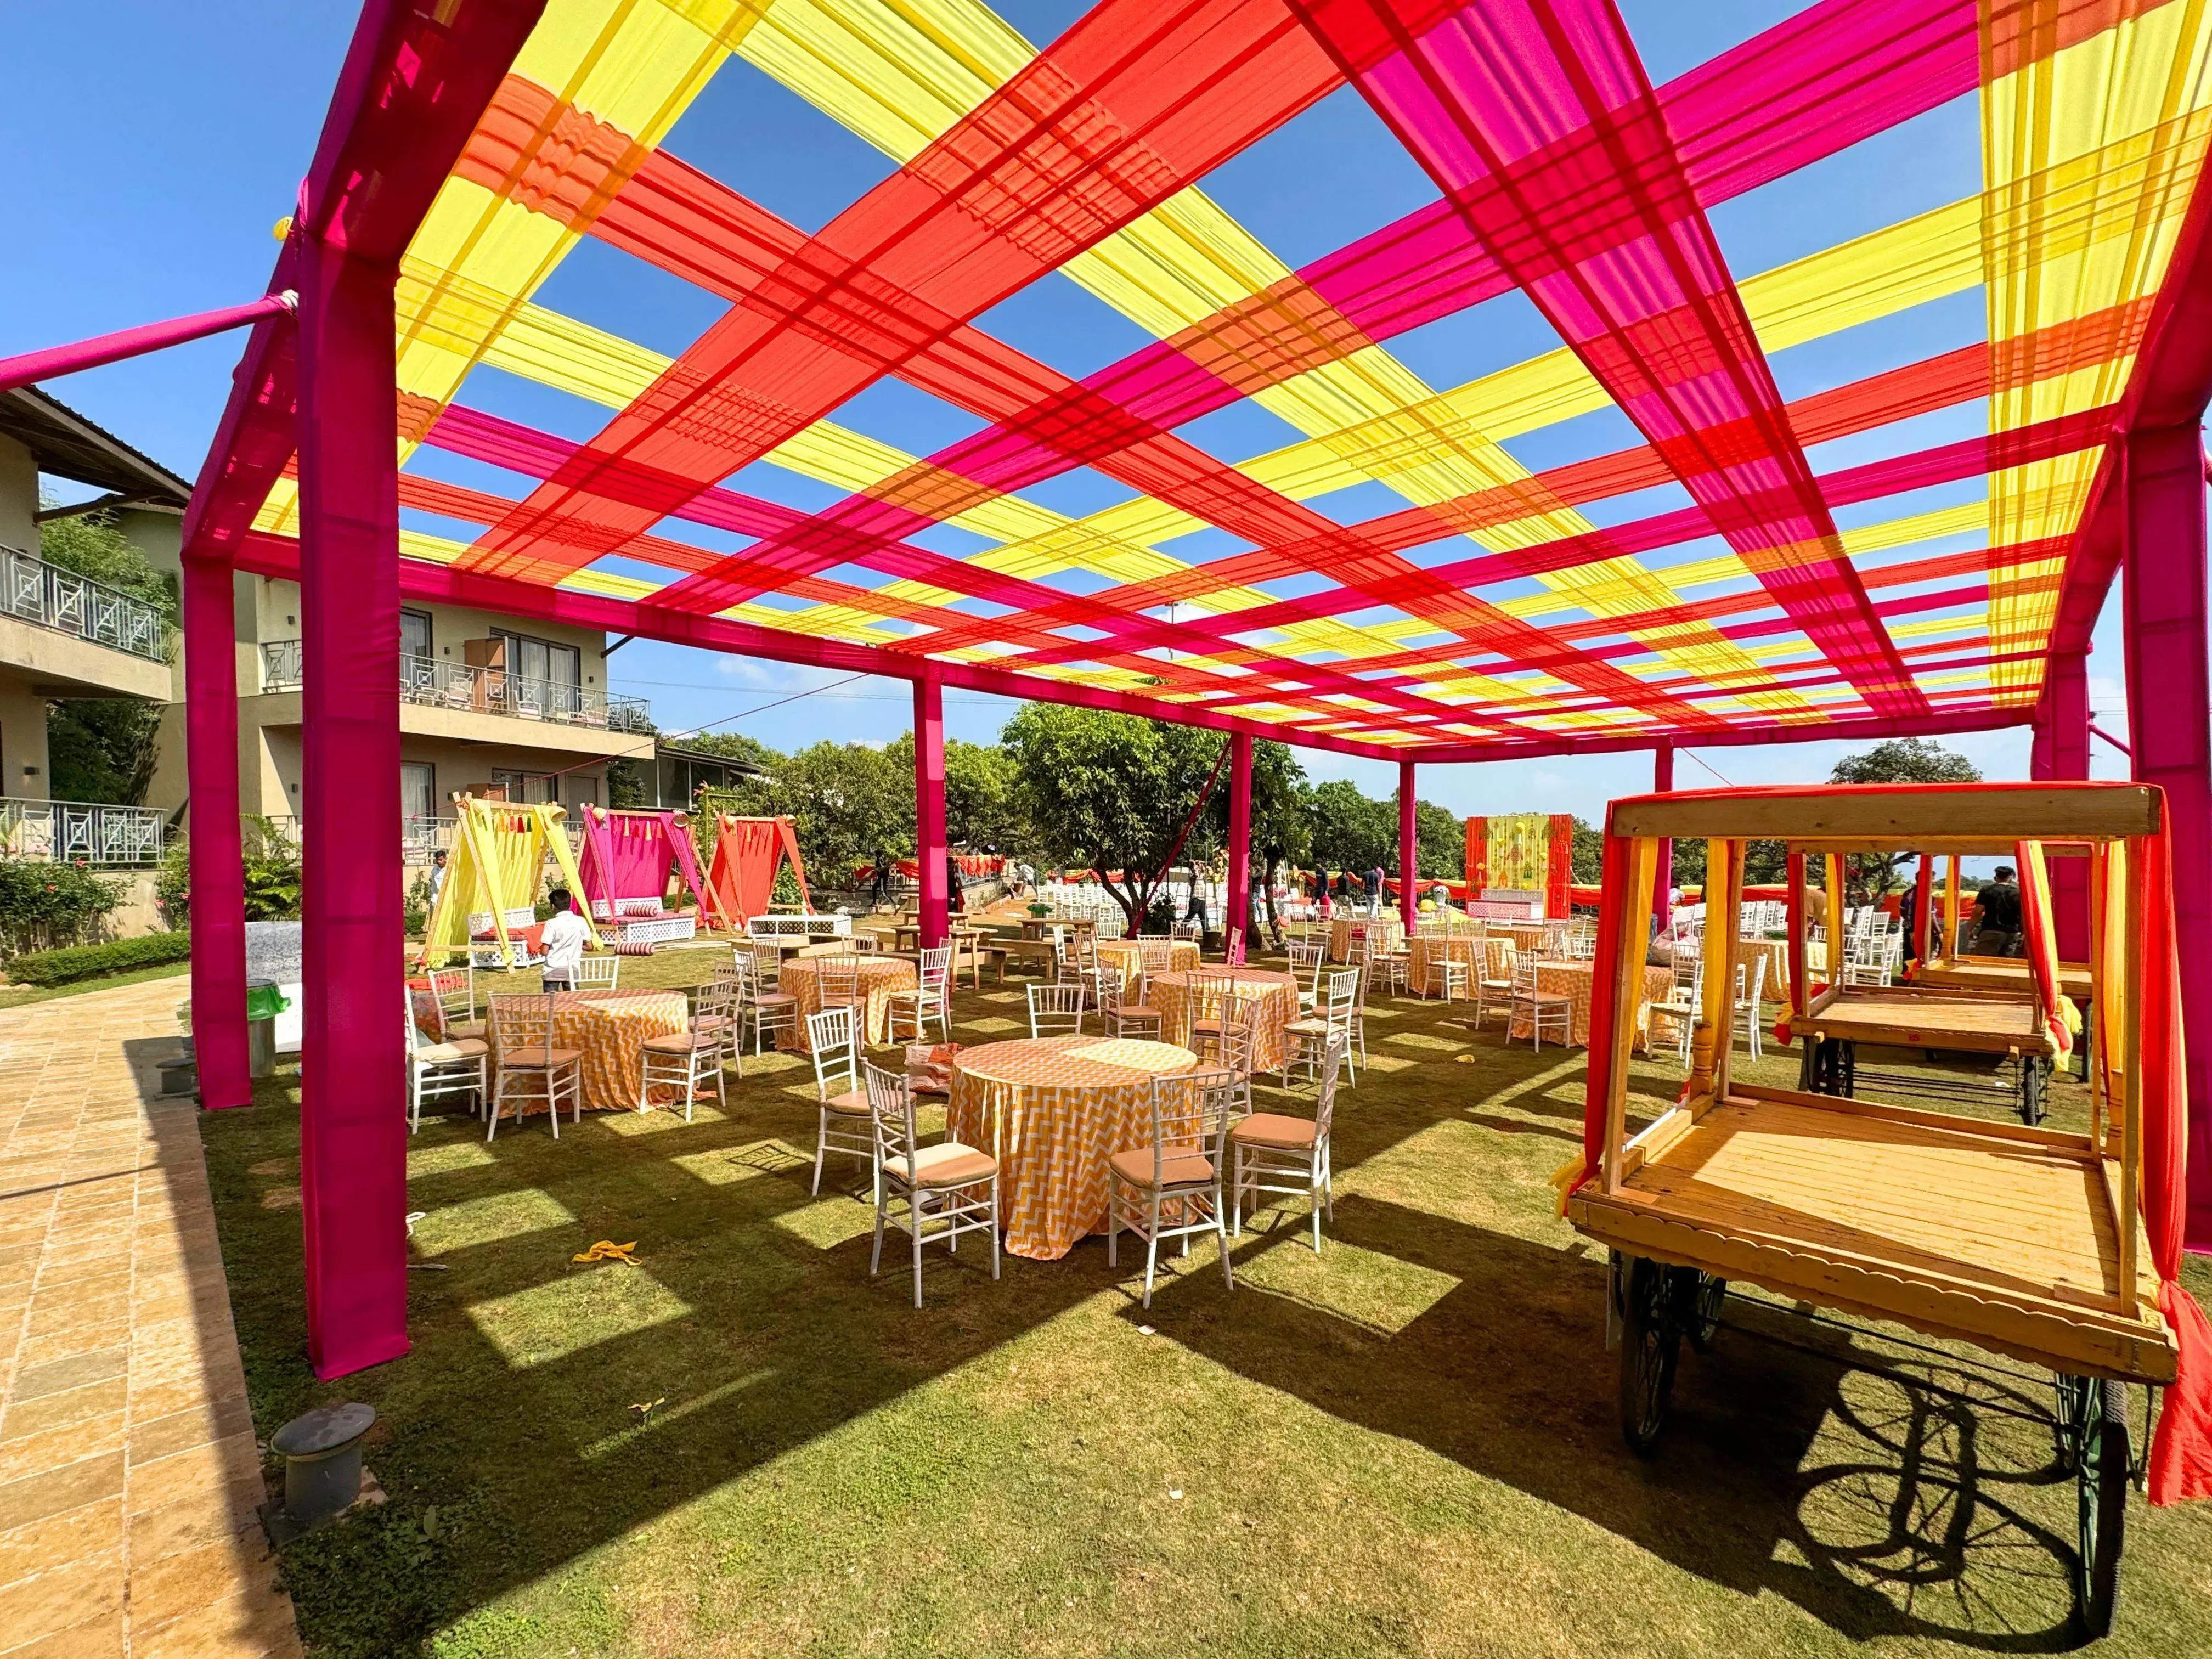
x=1404, y=1444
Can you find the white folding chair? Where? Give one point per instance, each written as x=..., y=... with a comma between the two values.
x=597, y=971
x=1275, y=1152
x=1543, y=1010
x=841, y=1104
x=437, y=1070
x=1055, y=1010
x=1171, y=1187
x=930, y=999
x=953, y=1186
x=529, y=1066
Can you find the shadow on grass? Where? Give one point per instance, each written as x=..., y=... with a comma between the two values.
x=512, y=1440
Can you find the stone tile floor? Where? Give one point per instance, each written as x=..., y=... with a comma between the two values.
x=128, y=1475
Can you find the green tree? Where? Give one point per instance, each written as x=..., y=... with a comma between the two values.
x=1281, y=831
x=103, y=748
x=982, y=799
x=1868, y=876
x=1439, y=842
x=1350, y=831
x=1108, y=791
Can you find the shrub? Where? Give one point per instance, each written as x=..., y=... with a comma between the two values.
x=271, y=867
x=80, y=962
x=45, y=905
x=173, y=882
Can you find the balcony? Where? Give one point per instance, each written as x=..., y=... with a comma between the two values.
x=459, y=689
x=74, y=831
x=47, y=596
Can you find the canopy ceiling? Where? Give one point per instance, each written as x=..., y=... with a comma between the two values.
x=1723, y=490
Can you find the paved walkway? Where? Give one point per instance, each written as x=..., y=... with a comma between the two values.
x=128, y=1472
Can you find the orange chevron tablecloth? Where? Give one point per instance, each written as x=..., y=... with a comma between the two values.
x=1489, y=957
x=1052, y=1110
x=610, y=1029
x=1575, y=980
x=879, y=977
x=1340, y=933
x=1182, y=957
x=1270, y=998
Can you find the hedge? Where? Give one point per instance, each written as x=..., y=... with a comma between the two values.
x=118, y=956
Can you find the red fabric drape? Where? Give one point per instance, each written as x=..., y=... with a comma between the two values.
x=747, y=851
x=1478, y=856
x=1558, y=875
x=2042, y=939
x=1619, y=856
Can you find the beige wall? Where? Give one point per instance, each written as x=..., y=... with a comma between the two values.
x=22, y=739
x=19, y=497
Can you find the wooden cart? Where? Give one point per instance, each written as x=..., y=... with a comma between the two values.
x=1947, y=1019
x=2024, y=1240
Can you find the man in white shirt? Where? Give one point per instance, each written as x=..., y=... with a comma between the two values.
x=562, y=940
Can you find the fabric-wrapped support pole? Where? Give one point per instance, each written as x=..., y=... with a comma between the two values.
x=218, y=873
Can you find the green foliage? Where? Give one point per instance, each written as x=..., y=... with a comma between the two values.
x=1868, y=875
x=846, y=799
x=627, y=783
x=172, y=881
x=1586, y=860
x=982, y=799
x=82, y=962
x=47, y=905
x=92, y=545
x=1350, y=831
x=101, y=749
x=1439, y=842
x=415, y=914
x=1108, y=791
x=273, y=876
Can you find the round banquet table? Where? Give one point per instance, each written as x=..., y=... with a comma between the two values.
x=1486, y=958
x=880, y=976
x=1271, y=997
x=1125, y=953
x=609, y=1027
x=1052, y=1110
x=1340, y=933
x=1574, y=981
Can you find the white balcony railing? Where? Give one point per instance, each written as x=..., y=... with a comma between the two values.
x=73, y=831
x=33, y=591
x=435, y=684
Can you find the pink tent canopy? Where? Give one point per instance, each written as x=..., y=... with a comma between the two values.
x=629, y=856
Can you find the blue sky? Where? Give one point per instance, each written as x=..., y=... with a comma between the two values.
x=155, y=145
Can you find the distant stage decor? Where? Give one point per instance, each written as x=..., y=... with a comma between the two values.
x=1524, y=853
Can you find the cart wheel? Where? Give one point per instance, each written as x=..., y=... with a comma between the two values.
x=2031, y=1092
x=2101, y=1507
x=2071, y=1421
x=1706, y=1311
x=1650, y=1343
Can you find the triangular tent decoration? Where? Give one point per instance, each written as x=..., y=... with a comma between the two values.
x=628, y=858
x=491, y=882
x=747, y=851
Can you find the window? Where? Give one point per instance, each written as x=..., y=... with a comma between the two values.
x=525, y=789
x=552, y=674
x=415, y=634
x=418, y=791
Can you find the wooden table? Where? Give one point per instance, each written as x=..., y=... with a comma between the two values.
x=609, y=1027
x=880, y=976
x=1052, y=1110
x=1486, y=958
x=1272, y=998
x=1339, y=932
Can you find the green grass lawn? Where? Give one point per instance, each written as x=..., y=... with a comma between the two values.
x=1406, y=1445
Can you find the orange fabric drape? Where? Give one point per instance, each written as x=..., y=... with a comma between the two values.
x=747, y=851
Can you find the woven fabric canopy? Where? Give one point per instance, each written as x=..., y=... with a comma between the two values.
x=1707, y=559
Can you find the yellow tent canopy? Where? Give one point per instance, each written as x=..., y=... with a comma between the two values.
x=498, y=859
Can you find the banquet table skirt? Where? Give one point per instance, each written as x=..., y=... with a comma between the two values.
x=879, y=977
x=610, y=1029
x=1182, y=957
x=1575, y=981
x=1487, y=957
x=1272, y=998
x=1340, y=933
x=1052, y=1110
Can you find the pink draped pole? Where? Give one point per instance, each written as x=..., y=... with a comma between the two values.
x=55, y=361
x=1662, y=888
x=217, y=865
x=1409, y=845
x=929, y=832
x=2170, y=732
x=353, y=1130
x=1236, y=913
x=2061, y=751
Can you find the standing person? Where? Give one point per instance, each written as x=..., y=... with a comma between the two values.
x=562, y=940
x=955, y=897
x=1196, y=910
x=437, y=876
x=1997, y=916
x=1908, y=912
x=1374, y=895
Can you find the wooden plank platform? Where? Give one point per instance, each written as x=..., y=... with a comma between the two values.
x=2002, y=974
x=1930, y=1016
x=2000, y=1235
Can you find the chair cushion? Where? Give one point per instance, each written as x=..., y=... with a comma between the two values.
x=853, y=1104
x=465, y=1030
x=443, y=1054
x=680, y=1043
x=1307, y=1028
x=1273, y=1129
x=948, y=1163
x=775, y=998
x=1185, y=1169
x=1138, y=1011
x=535, y=1059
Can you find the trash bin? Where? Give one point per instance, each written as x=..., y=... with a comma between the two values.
x=264, y=1002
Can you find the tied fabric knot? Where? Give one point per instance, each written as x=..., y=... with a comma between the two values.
x=606, y=1251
